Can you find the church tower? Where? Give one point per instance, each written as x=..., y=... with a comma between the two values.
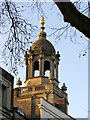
x=41, y=78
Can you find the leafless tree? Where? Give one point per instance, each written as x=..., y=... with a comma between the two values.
x=74, y=17
x=20, y=31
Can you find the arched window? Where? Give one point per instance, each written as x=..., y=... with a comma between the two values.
x=47, y=68
x=36, y=68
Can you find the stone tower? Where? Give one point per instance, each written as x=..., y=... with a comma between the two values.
x=41, y=78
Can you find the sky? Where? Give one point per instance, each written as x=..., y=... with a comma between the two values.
x=73, y=66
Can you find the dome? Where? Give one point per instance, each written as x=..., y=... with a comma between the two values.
x=43, y=45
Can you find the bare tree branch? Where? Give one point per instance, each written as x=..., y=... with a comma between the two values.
x=19, y=35
x=20, y=31
x=74, y=17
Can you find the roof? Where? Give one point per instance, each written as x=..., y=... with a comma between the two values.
x=43, y=45
x=53, y=109
x=6, y=75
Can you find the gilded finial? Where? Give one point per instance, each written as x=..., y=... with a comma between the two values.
x=42, y=33
x=42, y=22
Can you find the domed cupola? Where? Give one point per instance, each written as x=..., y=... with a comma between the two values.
x=41, y=80
x=41, y=59
x=42, y=45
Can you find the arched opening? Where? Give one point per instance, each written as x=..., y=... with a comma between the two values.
x=47, y=68
x=36, y=68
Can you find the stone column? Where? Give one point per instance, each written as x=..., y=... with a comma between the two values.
x=40, y=66
x=33, y=106
x=56, y=71
x=43, y=67
x=31, y=67
x=52, y=69
x=26, y=68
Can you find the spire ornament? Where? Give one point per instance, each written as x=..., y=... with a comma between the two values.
x=42, y=22
x=42, y=34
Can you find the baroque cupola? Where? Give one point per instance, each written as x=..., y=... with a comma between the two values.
x=41, y=80
x=41, y=59
x=42, y=45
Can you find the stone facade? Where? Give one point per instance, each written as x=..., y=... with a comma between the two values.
x=6, y=94
x=40, y=60
x=7, y=111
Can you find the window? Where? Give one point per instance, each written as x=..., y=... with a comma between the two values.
x=47, y=68
x=36, y=68
x=4, y=96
